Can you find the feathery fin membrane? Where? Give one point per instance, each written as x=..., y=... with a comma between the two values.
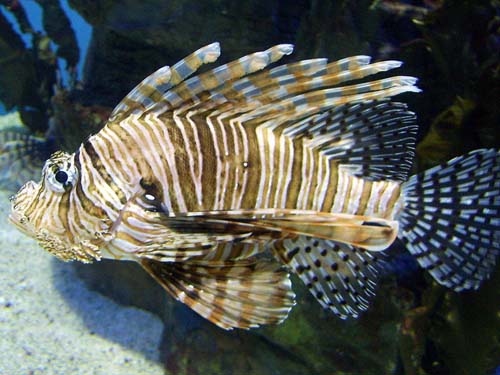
x=341, y=277
x=230, y=294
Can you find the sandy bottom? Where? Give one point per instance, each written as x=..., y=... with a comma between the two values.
x=50, y=323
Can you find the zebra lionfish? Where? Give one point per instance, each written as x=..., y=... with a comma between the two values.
x=196, y=178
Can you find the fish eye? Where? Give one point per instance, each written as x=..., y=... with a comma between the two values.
x=60, y=175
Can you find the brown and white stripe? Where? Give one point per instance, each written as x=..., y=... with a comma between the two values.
x=233, y=140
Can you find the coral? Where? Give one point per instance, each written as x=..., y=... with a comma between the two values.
x=59, y=30
x=25, y=80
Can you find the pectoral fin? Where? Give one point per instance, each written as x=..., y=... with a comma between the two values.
x=368, y=233
x=241, y=294
x=156, y=231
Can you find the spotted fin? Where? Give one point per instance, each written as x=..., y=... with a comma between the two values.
x=371, y=140
x=238, y=294
x=341, y=277
x=451, y=222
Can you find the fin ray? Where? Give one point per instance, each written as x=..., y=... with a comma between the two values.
x=452, y=226
x=190, y=91
x=370, y=233
x=341, y=277
x=239, y=294
x=152, y=88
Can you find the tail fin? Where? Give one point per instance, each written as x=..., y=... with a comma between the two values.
x=450, y=221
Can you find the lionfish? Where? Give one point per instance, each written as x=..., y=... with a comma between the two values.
x=222, y=184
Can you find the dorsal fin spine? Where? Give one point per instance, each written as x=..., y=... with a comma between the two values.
x=231, y=71
x=145, y=94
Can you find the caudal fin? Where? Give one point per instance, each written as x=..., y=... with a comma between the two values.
x=450, y=221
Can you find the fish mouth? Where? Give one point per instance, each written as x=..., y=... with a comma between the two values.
x=19, y=202
x=20, y=222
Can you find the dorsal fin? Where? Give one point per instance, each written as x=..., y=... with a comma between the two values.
x=246, y=92
x=373, y=140
x=301, y=100
x=153, y=87
x=354, y=125
x=198, y=89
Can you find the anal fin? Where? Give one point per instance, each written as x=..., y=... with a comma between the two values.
x=241, y=293
x=341, y=277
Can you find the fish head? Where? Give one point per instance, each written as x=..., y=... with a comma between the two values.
x=40, y=210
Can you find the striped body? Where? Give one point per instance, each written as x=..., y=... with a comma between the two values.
x=196, y=171
x=212, y=166
x=192, y=178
